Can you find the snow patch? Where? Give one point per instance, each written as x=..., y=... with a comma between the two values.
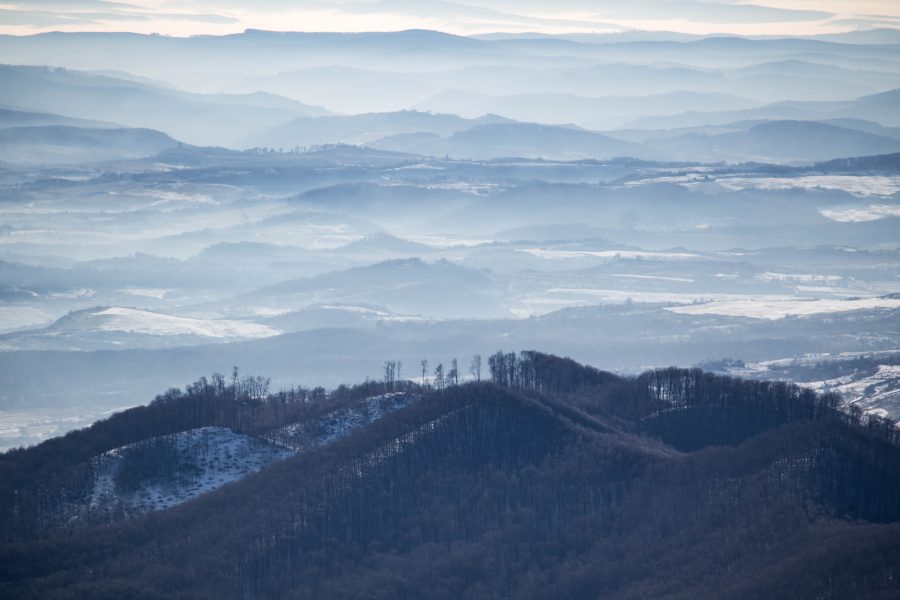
x=607, y=254
x=338, y=424
x=654, y=277
x=858, y=185
x=165, y=471
x=132, y=320
x=872, y=212
x=158, y=293
x=779, y=309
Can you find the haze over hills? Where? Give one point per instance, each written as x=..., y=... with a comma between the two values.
x=293, y=213
x=189, y=117
x=50, y=144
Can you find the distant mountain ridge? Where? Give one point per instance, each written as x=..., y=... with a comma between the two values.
x=193, y=118
x=779, y=141
x=361, y=129
x=50, y=144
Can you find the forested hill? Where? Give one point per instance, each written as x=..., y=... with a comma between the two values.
x=553, y=480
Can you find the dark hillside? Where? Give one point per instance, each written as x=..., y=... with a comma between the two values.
x=556, y=480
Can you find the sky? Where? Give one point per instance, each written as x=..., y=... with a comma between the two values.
x=194, y=17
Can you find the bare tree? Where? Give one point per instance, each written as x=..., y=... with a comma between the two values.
x=439, y=376
x=390, y=371
x=453, y=374
x=475, y=368
x=424, y=364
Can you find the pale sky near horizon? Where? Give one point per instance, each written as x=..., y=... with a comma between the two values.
x=194, y=17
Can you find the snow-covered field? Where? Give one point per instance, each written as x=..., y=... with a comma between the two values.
x=761, y=308
x=132, y=320
x=550, y=254
x=379, y=314
x=872, y=212
x=653, y=278
x=857, y=185
x=862, y=186
x=878, y=393
x=23, y=427
x=870, y=380
x=16, y=318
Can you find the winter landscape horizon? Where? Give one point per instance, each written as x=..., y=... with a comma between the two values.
x=285, y=291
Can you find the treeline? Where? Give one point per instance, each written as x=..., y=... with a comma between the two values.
x=689, y=408
x=544, y=373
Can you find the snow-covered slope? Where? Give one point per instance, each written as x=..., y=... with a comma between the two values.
x=870, y=381
x=123, y=327
x=337, y=424
x=132, y=320
x=779, y=309
x=165, y=471
x=877, y=393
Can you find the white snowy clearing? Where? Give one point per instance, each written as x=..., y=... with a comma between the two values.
x=857, y=185
x=878, y=393
x=29, y=426
x=779, y=309
x=164, y=471
x=364, y=310
x=200, y=460
x=549, y=254
x=653, y=277
x=132, y=320
x=17, y=318
x=872, y=212
x=335, y=425
x=157, y=293
x=804, y=277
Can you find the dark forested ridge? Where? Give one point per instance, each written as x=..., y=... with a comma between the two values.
x=554, y=480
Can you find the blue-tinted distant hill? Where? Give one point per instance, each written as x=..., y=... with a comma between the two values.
x=779, y=141
x=360, y=129
x=518, y=140
x=202, y=119
x=883, y=108
x=406, y=286
x=53, y=144
x=18, y=118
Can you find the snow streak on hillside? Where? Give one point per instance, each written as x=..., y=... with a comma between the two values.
x=877, y=393
x=779, y=309
x=338, y=424
x=165, y=471
x=131, y=320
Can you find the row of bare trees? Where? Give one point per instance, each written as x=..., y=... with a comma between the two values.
x=441, y=377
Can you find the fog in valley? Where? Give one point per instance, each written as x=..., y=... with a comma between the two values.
x=307, y=206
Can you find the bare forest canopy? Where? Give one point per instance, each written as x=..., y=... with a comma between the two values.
x=548, y=479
